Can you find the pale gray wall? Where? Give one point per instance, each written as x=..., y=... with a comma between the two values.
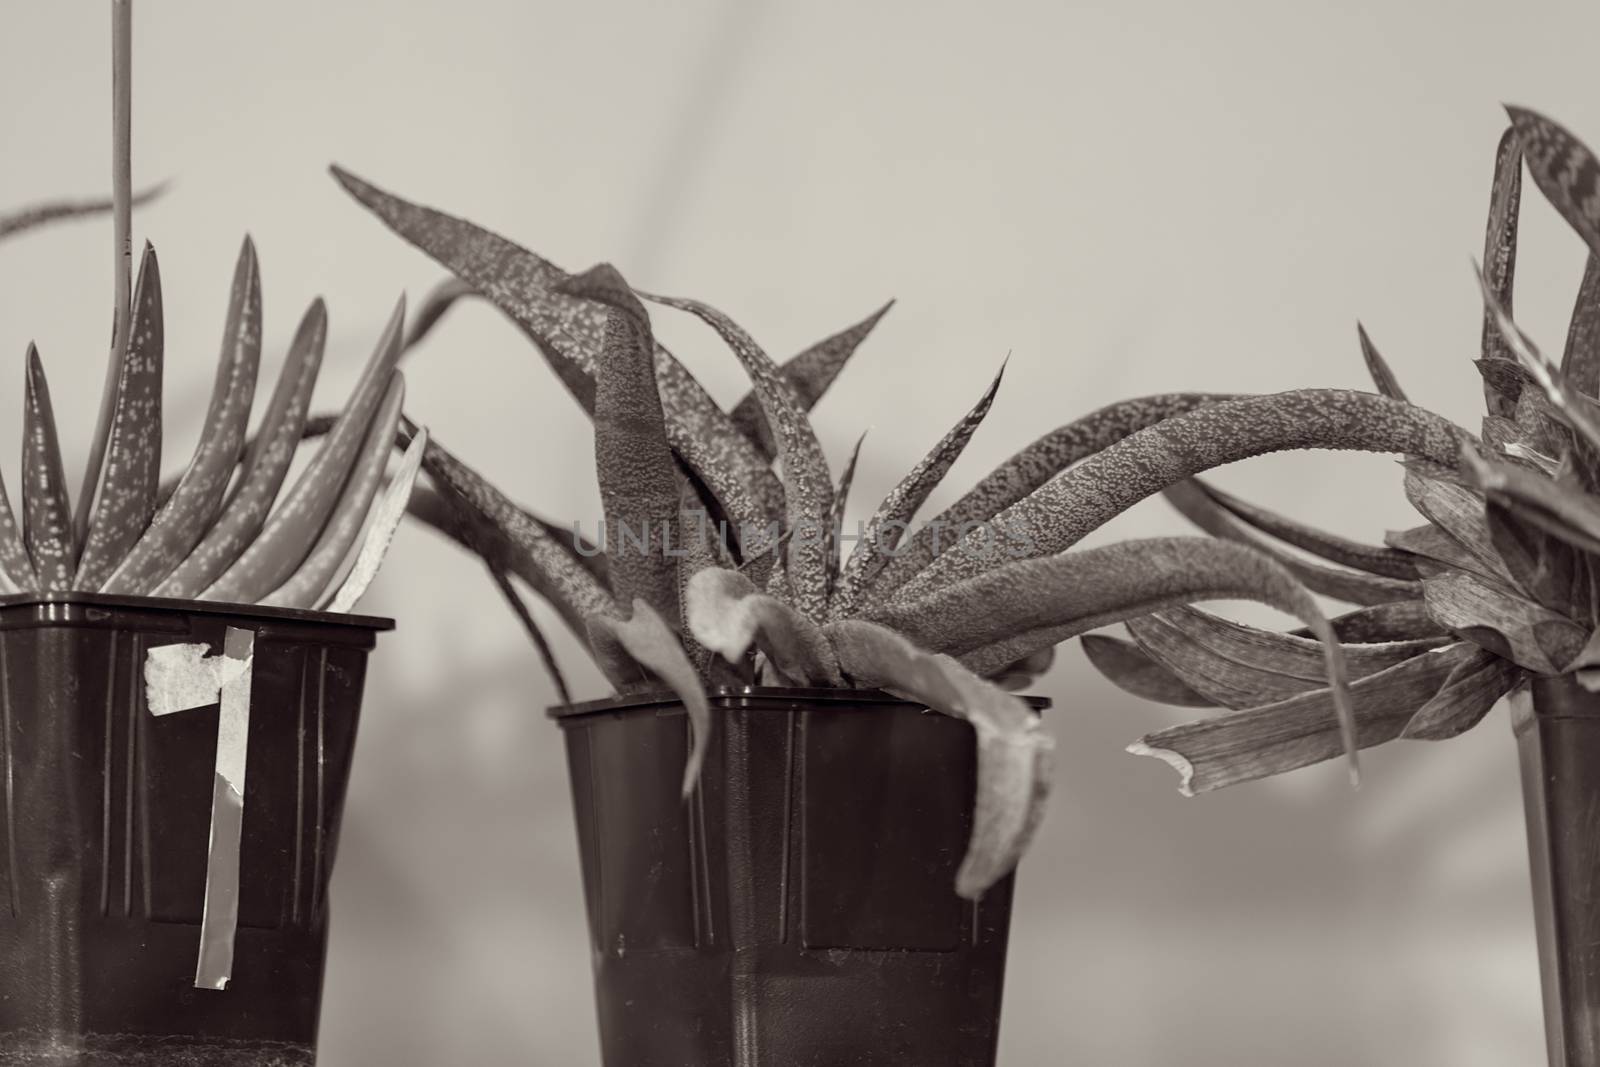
x=1127, y=197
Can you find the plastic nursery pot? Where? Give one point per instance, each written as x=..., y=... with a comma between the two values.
x=799, y=908
x=105, y=825
x=1557, y=724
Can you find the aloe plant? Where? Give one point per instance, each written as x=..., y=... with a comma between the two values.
x=740, y=575
x=1500, y=584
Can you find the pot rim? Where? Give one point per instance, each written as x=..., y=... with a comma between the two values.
x=753, y=698
x=49, y=603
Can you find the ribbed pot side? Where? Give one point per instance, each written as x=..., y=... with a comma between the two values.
x=1557, y=724
x=799, y=908
x=105, y=819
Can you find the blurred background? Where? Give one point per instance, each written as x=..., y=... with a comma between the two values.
x=1126, y=197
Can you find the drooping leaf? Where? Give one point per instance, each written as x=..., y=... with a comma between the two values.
x=638, y=482
x=1465, y=698
x=1131, y=669
x=127, y=497
x=1026, y=471
x=1580, y=362
x=728, y=615
x=1565, y=171
x=1500, y=259
x=1219, y=679
x=889, y=523
x=634, y=651
x=809, y=374
x=46, y=512
x=1261, y=742
x=381, y=527
x=1014, y=754
x=1507, y=625
x=186, y=516
x=266, y=462
x=1072, y=593
x=1403, y=620
x=1382, y=376
x=1195, y=503
x=530, y=626
x=535, y=554
x=1552, y=572
x=523, y=286
x=808, y=489
x=306, y=586
x=1373, y=559
x=1080, y=500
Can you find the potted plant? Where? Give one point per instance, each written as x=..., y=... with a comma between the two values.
x=1494, y=595
x=164, y=866
x=771, y=826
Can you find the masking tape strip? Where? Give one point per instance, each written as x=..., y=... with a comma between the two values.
x=182, y=677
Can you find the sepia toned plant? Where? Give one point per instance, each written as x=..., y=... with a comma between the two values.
x=1499, y=586
x=722, y=562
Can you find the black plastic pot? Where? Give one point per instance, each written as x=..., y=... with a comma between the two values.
x=799, y=910
x=105, y=815
x=1558, y=735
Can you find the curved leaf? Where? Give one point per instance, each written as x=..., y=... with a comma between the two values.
x=385, y=520
x=1565, y=171
x=1465, y=698
x=727, y=614
x=1080, y=500
x=34, y=216
x=642, y=647
x=1513, y=628
x=1580, y=361
x=889, y=523
x=127, y=498
x=1403, y=620
x=1014, y=754
x=186, y=516
x=1373, y=559
x=265, y=464
x=530, y=626
x=1132, y=670
x=1026, y=471
x=808, y=490
x=809, y=374
x=1500, y=259
x=46, y=512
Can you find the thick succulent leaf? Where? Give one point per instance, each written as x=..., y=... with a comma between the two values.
x=530, y=626
x=1131, y=669
x=729, y=615
x=295, y=524
x=1025, y=671
x=809, y=374
x=1500, y=259
x=16, y=566
x=305, y=588
x=1373, y=559
x=1465, y=698
x=185, y=517
x=1580, y=362
x=1014, y=753
x=808, y=489
x=638, y=481
x=642, y=648
x=535, y=554
x=1195, y=503
x=889, y=523
x=36, y=215
x=381, y=527
x=266, y=463
x=1080, y=500
x=440, y=299
x=1382, y=376
x=1072, y=593
x=523, y=286
x=1507, y=625
x=46, y=512
x=1565, y=171
x=1261, y=742
x=1242, y=666
x=127, y=497
x=1026, y=471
